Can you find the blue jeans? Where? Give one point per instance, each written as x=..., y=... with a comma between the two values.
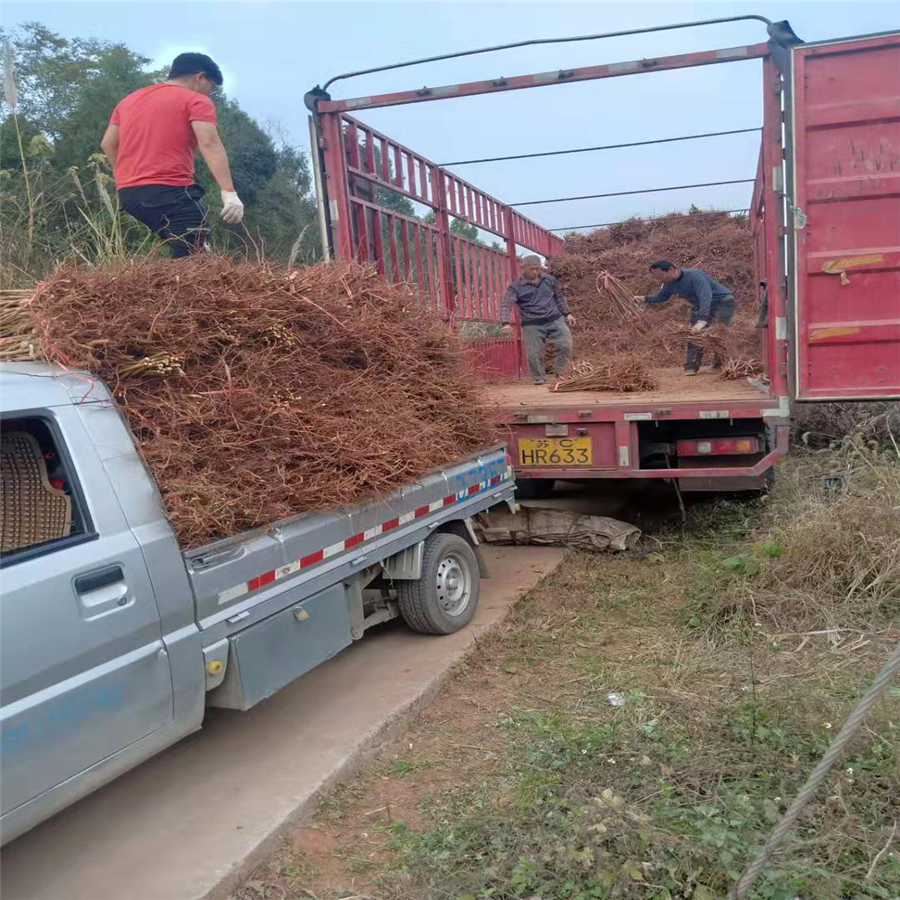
x=721, y=313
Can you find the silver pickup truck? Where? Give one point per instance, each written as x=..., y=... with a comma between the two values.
x=113, y=641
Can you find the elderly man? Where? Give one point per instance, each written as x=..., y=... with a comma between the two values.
x=545, y=318
x=710, y=302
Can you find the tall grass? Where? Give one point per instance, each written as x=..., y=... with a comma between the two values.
x=49, y=217
x=829, y=554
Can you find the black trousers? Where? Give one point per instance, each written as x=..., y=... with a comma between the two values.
x=173, y=213
x=721, y=313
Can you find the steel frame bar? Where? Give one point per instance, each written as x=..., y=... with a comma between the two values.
x=675, y=187
x=543, y=79
x=671, y=140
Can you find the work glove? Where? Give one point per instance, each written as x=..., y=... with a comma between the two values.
x=699, y=327
x=232, y=208
x=570, y=319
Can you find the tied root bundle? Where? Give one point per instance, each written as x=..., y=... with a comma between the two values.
x=257, y=394
x=19, y=340
x=624, y=375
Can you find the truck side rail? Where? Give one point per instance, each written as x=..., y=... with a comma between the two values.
x=241, y=580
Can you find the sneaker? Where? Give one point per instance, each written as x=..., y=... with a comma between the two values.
x=540, y=382
x=690, y=371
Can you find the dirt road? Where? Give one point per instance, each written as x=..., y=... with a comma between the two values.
x=184, y=824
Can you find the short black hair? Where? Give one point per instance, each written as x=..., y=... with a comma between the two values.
x=192, y=63
x=664, y=265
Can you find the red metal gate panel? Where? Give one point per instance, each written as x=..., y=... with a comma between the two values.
x=846, y=218
x=463, y=280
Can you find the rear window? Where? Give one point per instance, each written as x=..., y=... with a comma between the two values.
x=40, y=503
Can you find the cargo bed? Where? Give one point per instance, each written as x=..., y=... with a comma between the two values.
x=608, y=434
x=674, y=387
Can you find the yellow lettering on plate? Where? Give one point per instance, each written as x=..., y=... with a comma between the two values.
x=556, y=452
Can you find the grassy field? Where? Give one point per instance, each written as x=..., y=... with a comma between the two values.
x=637, y=725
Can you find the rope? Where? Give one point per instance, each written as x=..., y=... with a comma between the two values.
x=846, y=734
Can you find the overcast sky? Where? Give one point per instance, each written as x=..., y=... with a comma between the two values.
x=272, y=53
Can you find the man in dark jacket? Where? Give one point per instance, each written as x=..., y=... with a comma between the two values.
x=545, y=318
x=710, y=303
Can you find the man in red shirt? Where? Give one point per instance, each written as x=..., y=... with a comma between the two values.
x=150, y=141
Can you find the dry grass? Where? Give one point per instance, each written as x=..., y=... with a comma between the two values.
x=256, y=393
x=828, y=552
x=522, y=781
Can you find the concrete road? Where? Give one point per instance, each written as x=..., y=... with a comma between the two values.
x=189, y=823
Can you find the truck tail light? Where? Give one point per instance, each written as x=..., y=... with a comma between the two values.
x=718, y=446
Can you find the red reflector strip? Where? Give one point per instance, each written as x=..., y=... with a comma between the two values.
x=312, y=559
x=248, y=587
x=260, y=581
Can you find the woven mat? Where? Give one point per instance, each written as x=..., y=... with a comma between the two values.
x=31, y=511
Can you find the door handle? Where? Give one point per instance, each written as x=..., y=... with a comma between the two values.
x=101, y=578
x=101, y=592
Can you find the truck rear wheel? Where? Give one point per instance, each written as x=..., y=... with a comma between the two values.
x=443, y=600
x=534, y=488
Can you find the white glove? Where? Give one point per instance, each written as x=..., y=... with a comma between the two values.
x=699, y=327
x=232, y=208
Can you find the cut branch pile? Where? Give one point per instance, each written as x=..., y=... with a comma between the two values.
x=623, y=375
x=601, y=272
x=257, y=394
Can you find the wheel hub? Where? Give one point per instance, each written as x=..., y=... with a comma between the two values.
x=454, y=585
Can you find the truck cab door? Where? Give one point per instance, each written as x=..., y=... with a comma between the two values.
x=845, y=175
x=83, y=669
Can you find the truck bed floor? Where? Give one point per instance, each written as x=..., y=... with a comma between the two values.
x=674, y=387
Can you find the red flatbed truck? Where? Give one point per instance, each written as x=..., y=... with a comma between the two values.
x=825, y=219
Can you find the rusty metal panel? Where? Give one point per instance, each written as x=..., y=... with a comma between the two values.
x=846, y=218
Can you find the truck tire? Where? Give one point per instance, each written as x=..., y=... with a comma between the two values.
x=534, y=488
x=443, y=600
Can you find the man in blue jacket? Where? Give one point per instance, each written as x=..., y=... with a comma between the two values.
x=710, y=302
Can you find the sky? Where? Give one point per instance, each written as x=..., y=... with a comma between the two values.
x=272, y=52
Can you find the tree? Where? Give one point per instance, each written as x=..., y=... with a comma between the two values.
x=67, y=90
x=51, y=71
x=118, y=72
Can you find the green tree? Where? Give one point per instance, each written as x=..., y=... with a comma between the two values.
x=67, y=89
x=118, y=72
x=51, y=71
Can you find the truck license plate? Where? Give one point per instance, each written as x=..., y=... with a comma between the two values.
x=555, y=452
